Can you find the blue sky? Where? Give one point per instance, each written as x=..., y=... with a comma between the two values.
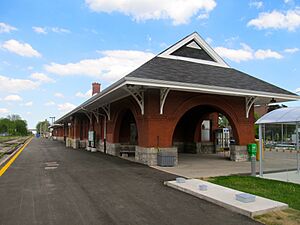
x=51, y=51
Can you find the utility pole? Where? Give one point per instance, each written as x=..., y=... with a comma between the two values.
x=52, y=119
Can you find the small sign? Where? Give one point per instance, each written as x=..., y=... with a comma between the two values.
x=91, y=135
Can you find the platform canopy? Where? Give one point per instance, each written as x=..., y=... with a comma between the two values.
x=281, y=116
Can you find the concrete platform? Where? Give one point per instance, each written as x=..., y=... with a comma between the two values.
x=226, y=197
x=212, y=165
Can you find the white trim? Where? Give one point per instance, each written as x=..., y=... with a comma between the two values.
x=106, y=109
x=95, y=115
x=200, y=41
x=206, y=88
x=163, y=96
x=249, y=103
x=138, y=94
x=201, y=61
x=105, y=92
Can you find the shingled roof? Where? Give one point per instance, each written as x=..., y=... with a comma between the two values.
x=189, y=65
x=166, y=69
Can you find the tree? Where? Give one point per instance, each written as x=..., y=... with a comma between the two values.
x=14, y=117
x=42, y=127
x=21, y=127
x=13, y=125
x=223, y=121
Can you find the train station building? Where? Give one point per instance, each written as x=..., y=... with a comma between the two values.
x=172, y=104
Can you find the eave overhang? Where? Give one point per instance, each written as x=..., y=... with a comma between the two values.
x=117, y=91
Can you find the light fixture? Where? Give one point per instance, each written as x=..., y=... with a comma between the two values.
x=272, y=101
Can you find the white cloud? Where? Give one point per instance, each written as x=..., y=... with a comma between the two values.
x=45, y=30
x=14, y=98
x=203, y=16
x=5, y=28
x=39, y=30
x=256, y=4
x=179, y=11
x=291, y=50
x=288, y=1
x=66, y=107
x=236, y=55
x=209, y=40
x=59, y=95
x=3, y=111
x=59, y=30
x=22, y=49
x=87, y=94
x=112, y=66
x=28, y=103
x=246, y=53
x=12, y=85
x=297, y=90
x=50, y=103
x=268, y=53
x=289, y=20
x=42, y=78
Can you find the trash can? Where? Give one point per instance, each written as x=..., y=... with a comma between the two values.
x=258, y=150
x=166, y=158
x=252, y=150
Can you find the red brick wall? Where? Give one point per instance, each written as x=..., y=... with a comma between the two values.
x=158, y=130
x=155, y=129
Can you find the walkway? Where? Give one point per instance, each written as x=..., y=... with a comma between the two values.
x=50, y=184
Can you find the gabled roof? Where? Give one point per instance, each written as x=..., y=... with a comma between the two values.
x=189, y=65
x=165, y=69
x=192, y=60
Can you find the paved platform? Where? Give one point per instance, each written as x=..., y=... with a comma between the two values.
x=50, y=184
x=225, y=197
x=289, y=176
x=212, y=165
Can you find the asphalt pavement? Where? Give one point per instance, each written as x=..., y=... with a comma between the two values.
x=51, y=184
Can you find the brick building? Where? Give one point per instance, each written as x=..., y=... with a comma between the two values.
x=162, y=106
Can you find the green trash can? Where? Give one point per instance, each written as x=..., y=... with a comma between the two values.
x=252, y=150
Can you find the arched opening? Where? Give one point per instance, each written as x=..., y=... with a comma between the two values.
x=204, y=129
x=128, y=134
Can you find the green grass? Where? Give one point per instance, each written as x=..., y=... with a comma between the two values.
x=279, y=191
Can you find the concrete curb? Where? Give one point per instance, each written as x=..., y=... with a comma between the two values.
x=225, y=197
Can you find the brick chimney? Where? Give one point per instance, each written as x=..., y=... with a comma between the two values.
x=95, y=88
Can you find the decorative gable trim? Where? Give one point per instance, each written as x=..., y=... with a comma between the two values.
x=202, y=44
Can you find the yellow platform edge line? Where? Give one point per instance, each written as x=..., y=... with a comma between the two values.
x=7, y=165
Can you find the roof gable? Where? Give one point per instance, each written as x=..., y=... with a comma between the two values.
x=193, y=48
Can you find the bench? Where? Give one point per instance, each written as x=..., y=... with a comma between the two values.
x=127, y=149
